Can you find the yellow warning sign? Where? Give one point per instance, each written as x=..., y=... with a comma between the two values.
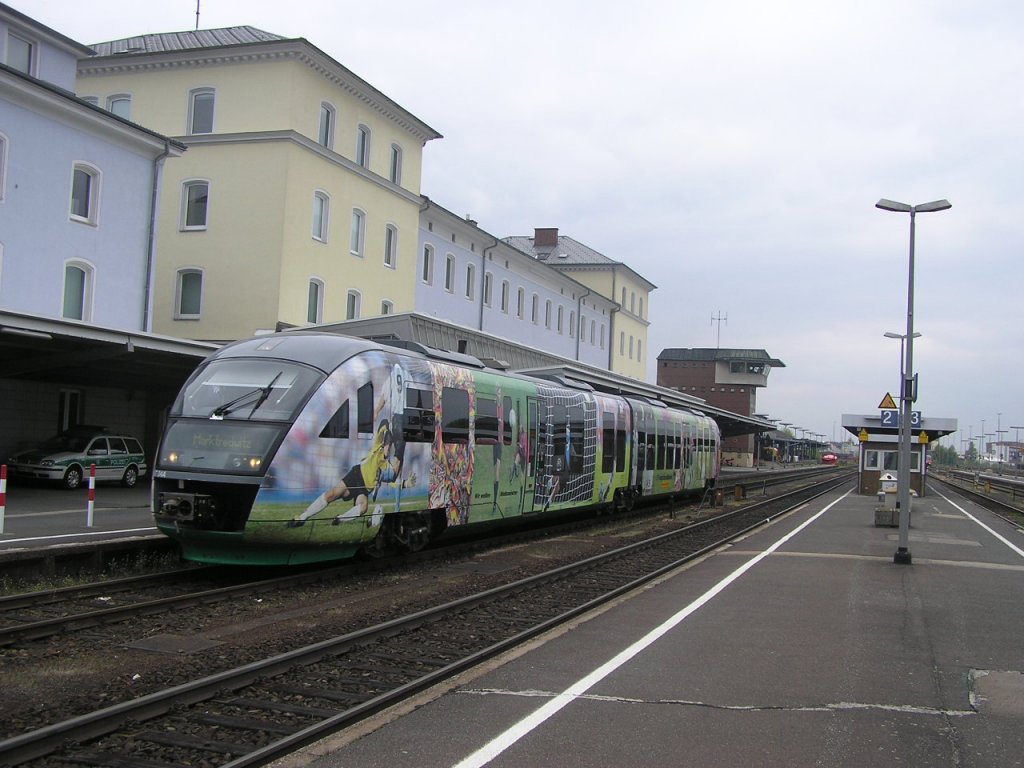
x=923, y=438
x=863, y=436
x=887, y=404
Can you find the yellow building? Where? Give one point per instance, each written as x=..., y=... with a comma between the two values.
x=298, y=198
x=628, y=323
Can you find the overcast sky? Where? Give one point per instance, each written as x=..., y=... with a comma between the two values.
x=731, y=152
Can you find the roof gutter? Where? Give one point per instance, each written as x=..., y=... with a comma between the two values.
x=154, y=192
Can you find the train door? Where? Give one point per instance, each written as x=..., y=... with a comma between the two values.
x=535, y=440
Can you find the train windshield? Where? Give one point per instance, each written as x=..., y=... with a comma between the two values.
x=250, y=390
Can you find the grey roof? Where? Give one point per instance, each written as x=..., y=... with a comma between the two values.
x=182, y=41
x=707, y=354
x=568, y=251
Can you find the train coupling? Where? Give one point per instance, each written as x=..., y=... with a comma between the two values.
x=185, y=507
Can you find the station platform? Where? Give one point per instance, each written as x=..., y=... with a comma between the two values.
x=801, y=645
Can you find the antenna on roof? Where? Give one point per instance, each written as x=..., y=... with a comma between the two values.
x=197, y=15
x=719, y=319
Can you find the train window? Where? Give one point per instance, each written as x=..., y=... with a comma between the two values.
x=486, y=420
x=620, y=446
x=576, y=436
x=455, y=412
x=532, y=422
x=337, y=427
x=364, y=408
x=419, y=416
x=661, y=445
x=559, y=438
x=608, y=442
x=506, y=430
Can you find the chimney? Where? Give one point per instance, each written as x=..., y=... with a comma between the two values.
x=545, y=237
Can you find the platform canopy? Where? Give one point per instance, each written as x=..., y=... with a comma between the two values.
x=880, y=428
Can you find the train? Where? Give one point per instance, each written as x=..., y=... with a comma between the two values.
x=307, y=446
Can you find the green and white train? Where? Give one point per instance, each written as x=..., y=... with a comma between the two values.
x=304, y=446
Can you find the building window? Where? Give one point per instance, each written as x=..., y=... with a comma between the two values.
x=622, y=343
x=85, y=185
x=641, y=313
x=560, y=313
x=78, y=279
x=20, y=53
x=632, y=301
x=535, y=309
x=321, y=212
x=593, y=331
x=572, y=323
x=326, y=134
x=640, y=357
x=121, y=105
x=200, y=110
x=488, y=288
x=363, y=146
x=387, y=307
x=195, y=199
x=449, y=273
x=505, y=288
x=602, y=335
x=395, y=170
x=390, y=246
x=3, y=166
x=521, y=303
x=623, y=302
x=583, y=327
x=188, y=302
x=470, y=281
x=315, y=302
x=358, y=232
x=352, y=305
x=630, y=347
x=547, y=313
x=427, y=272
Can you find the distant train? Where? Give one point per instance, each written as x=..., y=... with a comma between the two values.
x=303, y=447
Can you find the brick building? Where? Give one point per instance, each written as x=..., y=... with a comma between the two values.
x=725, y=378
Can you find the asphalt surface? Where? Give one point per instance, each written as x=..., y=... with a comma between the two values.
x=802, y=645
x=36, y=514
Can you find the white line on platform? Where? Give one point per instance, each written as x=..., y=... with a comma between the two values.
x=502, y=742
x=1003, y=539
x=76, y=535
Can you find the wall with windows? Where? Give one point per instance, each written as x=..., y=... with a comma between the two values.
x=468, y=277
x=74, y=208
x=276, y=191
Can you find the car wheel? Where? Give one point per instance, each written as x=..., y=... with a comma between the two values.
x=73, y=478
x=131, y=477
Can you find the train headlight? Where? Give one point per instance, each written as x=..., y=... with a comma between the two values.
x=246, y=463
x=173, y=457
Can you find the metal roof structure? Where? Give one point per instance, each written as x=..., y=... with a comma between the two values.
x=507, y=355
x=872, y=424
x=708, y=354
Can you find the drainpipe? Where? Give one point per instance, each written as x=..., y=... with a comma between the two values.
x=579, y=321
x=483, y=279
x=158, y=163
x=611, y=322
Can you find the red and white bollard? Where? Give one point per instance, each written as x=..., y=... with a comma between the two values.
x=3, y=494
x=92, y=495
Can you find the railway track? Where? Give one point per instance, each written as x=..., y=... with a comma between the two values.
x=253, y=714
x=42, y=614
x=1007, y=505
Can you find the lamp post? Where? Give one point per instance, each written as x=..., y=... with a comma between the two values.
x=1016, y=443
x=908, y=392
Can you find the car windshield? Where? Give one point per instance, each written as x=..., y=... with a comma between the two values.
x=258, y=390
x=65, y=444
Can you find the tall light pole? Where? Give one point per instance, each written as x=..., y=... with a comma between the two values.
x=1016, y=441
x=908, y=393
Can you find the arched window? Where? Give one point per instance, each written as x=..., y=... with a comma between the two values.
x=535, y=308
x=85, y=193
x=395, y=169
x=315, y=302
x=352, y=303
x=488, y=288
x=390, y=245
x=363, y=146
x=200, y=110
x=449, y=273
x=427, y=268
x=321, y=215
x=358, y=232
x=505, y=288
x=326, y=133
x=547, y=313
x=188, y=301
x=3, y=166
x=195, y=201
x=470, y=281
x=78, y=288
x=120, y=104
x=560, y=313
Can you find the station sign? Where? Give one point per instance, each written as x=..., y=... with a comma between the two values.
x=891, y=419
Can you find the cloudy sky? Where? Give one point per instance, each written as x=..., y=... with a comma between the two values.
x=731, y=152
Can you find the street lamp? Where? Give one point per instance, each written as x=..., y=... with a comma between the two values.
x=908, y=392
